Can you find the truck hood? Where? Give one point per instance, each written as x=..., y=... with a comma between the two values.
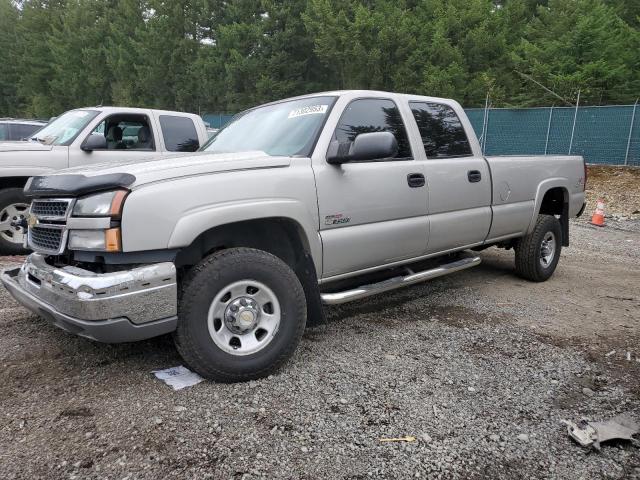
x=22, y=146
x=181, y=165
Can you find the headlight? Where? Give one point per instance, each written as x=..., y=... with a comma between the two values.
x=106, y=204
x=95, y=240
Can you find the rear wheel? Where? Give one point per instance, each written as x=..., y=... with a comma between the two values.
x=14, y=207
x=242, y=313
x=538, y=253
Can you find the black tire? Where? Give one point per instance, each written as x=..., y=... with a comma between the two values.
x=529, y=262
x=207, y=280
x=10, y=196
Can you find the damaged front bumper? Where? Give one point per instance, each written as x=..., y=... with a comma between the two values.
x=115, y=307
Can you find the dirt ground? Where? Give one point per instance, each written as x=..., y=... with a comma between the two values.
x=480, y=367
x=619, y=187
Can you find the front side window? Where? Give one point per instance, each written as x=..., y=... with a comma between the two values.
x=288, y=128
x=126, y=132
x=370, y=115
x=179, y=134
x=441, y=130
x=64, y=129
x=4, y=131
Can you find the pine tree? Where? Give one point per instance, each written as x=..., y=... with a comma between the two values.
x=9, y=39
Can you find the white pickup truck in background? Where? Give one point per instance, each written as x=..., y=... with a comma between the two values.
x=82, y=137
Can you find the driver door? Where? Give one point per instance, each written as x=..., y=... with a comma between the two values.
x=371, y=212
x=128, y=137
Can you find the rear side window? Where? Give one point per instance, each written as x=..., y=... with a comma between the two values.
x=369, y=115
x=179, y=134
x=21, y=131
x=442, y=133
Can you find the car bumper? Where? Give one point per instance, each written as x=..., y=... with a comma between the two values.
x=113, y=307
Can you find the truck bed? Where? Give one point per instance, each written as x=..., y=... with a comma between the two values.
x=516, y=183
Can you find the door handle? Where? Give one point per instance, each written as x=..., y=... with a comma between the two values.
x=415, y=180
x=474, y=176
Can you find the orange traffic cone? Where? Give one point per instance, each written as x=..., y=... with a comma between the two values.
x=598, y=215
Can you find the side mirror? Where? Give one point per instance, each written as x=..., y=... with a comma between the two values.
x=366, y=146
x=94, y=142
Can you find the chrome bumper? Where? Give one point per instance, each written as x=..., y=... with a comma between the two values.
x=112, y=307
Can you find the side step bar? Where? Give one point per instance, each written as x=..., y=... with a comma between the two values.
x=364, y=291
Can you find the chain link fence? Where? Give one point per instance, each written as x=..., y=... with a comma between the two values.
x=604, y=134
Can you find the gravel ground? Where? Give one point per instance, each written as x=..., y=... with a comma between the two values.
x=479, y=366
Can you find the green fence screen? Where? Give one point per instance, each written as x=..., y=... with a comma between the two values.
x=217, y=120
x=607, y=134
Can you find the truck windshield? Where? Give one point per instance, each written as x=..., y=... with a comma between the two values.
x=64, y=129
x=281, y=129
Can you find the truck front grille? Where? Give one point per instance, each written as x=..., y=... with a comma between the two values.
x=47, y=239
x=51, y=209
x=48, y=217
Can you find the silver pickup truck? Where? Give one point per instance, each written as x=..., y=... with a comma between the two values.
x=82, y=137
x=319, y=199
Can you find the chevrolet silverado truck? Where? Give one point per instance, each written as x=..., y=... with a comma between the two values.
x=311, y=201
x=83, y=137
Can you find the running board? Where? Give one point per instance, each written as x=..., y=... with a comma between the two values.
x=364, y=291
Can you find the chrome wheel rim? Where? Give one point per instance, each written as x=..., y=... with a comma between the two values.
x=12, y=213
x=547, y=249
x=244, y=317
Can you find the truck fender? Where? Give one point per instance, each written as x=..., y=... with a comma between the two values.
x=25, y=172
x=197, y=221
x=541, y=191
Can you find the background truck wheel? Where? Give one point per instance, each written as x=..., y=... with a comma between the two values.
x=13, y=206
x=537, y=254
x=242, y=313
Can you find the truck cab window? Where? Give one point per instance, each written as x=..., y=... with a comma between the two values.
x=23, y=131
x=179, y=134
x=126, y=132
x=441, y=130
x=369, y=115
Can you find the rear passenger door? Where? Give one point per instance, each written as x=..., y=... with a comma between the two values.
x=458, y=179
x=371, y=212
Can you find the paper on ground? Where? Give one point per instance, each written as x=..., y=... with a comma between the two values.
x=178, y=377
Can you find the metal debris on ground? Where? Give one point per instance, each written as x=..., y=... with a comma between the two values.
x=178, y=377
x=408, y=438
x=592, y=434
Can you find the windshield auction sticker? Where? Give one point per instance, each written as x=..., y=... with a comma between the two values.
x=310, y=110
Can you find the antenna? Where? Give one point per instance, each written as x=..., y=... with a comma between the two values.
x=528, y=77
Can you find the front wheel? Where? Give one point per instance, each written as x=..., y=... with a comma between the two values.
x=14, y=207
x=242, y=313
x=538, y=253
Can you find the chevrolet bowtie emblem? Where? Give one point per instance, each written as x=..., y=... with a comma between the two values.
x=32, y=221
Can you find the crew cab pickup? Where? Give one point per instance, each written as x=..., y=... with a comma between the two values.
x=319, y=199
x=83, y=137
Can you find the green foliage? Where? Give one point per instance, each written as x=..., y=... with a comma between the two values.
x=582, y=45
x=8, y=57
x=226, y=55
